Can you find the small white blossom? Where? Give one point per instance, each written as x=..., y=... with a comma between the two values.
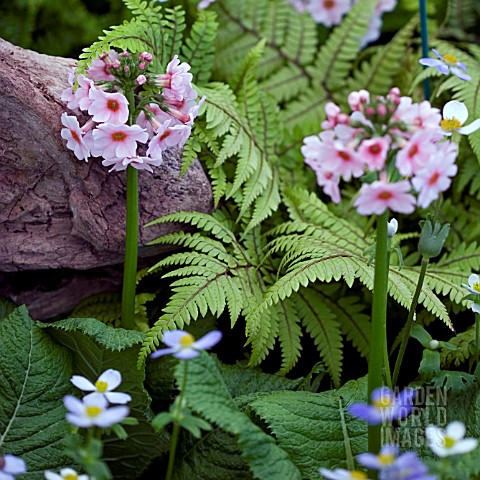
x=65, y=474
x=450, y=441
x=107, y=381
x=342, y=474
x=93, y=411
x=455, y=114
x=392, y=227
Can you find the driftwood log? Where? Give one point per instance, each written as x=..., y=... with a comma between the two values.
x=59, y=214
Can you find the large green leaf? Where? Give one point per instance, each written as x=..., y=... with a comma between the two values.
x=34, y=377
x=96, y=347
x=308, y=426
x=207, y=394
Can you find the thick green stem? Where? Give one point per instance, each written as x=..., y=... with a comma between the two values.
x=176, y=425
x=131, y=251
x=477, y=338
x=408, y=326
x=131, y=238
x=378, y=336
x=424, y=34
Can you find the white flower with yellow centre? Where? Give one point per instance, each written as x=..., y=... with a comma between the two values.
x=184, y=346
x=473, y=287
x=455, y=114
x=65, y=474
x=450, y=441
x=107, y=381
x=92, y=411
x=342, y=474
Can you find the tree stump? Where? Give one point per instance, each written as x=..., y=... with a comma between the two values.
x=57, y=212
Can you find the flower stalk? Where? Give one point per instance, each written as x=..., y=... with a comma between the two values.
x=378, y=336
x=424, y=35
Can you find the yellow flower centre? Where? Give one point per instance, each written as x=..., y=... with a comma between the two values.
x=70, y=476
x=357, y=475
x=450, y=124
x=476, y=287
x=383, y=402
x=450, y=59
x=187, y=341
x=93, y=411
x=448, y=442
x=101, y=387
x=386, y=459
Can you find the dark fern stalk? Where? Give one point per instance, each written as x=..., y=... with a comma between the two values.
x=131, y=238
x=378, y=337
x=424, y=34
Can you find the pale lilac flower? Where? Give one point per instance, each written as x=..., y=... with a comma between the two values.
x=373, y=32
x=445, y=64
x=93, y=411
x=394, y=467
x=107, y=381
x=450, y=441
x=342, y=474
x=435, y=176
x=100, y=68
x=138, y=162
x=374, y=151
x=205, y=3
x=108, y=107
x=455, y=114
x=117, y=141
x=328, y=12
x=10, y=465
x=299, y=5
x=184, y=346
x=377, y=197
x=177, y=80
x=74, y=137
x=385, y=406
x=65, y=474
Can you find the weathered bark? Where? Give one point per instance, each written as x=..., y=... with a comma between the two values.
x=58, y=212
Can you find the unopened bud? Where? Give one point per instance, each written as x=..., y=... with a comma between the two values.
x=433, y=344
x=141, y=79
x=432, y=238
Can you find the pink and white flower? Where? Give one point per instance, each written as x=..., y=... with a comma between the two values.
x=177, y=80
x=374, y=151
x=82, y=93
x=138, y=162
x=108, y=107
x=117, y=141
x=377, y=197
x=416, y=153
x=100, y=68
x=328, y=12
x=74, y=136
x=436, y=176
x=168, y=136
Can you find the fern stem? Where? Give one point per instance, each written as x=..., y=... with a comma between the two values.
x=378, y=336
x=409, y=324
x=131, y=238
x=176, y=425
x=424, y=34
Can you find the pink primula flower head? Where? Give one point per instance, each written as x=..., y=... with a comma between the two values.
x=436, y=176
x=82, y=93
x=356, y=100
x=152, y=124
x=108, y=107
x=416, y=153
x=377, y=197
x=184, y=346
x=374, y=151
x=328, y=12
x=100, y=68
x=117, y=141
x=343, y=160
x=138, y=162
x=177, y=81
x=74, y=137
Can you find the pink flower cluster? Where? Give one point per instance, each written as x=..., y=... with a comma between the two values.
x=124, y=134
x=400, y=143
x=331, y=12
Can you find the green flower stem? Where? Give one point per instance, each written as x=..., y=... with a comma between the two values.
x=477, y=337
x=176, y=425
x=408, y=325
x=378, y=336
x=424, y=34
x=131, y=251
x=131, y=237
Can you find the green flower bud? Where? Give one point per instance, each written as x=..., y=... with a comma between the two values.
x=432, y=238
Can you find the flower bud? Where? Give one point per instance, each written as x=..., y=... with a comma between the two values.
x=433, y=344
x=392, y=227
x=432, y=238
x=141, y=79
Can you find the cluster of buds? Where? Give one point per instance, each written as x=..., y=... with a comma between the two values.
x=397, y=146
x=135, y=115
